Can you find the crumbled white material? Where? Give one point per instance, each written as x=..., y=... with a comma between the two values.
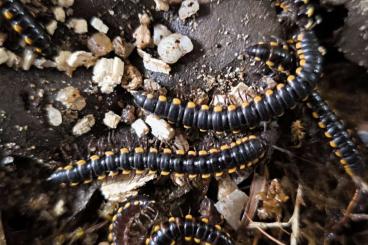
x=159, y=32
x=84, y=125
x=108, y=73
x=140, y=128
x=59, y=14
x=60, y=61
x=153, y=64
x=122, y=48
x=54, y=116
x=188, y=8
x=98, y=24
x=3, y=56
x=239, y=93
x=162, y=5
x=51, y=27
x=28, y=59
x=173, y=47
x=118, y=188
x=142, y=34
x=160, y=128
x=79, y=26
x=41, y=63
x=65, y=3
x=71, y=98
x=81, y=58
x=231, y=207
x=111, y=119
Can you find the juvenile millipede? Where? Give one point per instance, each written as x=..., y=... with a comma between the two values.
x=275, y=55
x=234, y=117
x=339, y=139
x=133, y=221
x=240, y=155
x=187, y=230
x=23, y=23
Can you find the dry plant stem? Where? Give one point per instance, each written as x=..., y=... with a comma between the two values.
x=293, y=221
x=358, y=217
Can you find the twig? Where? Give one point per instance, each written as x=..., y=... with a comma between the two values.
x=358, y=217
x=293, y=221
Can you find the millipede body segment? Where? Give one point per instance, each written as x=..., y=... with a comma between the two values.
x=234, y=117
x=239, y=155
x=188, y=230
x=133, y=221
x=339, y=139
x=23, y=23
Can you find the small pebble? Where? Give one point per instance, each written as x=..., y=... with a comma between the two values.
x=59, y=208
x=153, y=64
x=59, y=14
x=28, y=58
x=111, y=119
x=54, y=116
x=98, y=24
x=108, y=73
x=84, y=125
x=80, y=58
x=122, y=48
x=173, y=47
x=60, y=61
x=160, y=128
x=99, y=44
x=132, y=78
x=152, y=86
x=140, y=128
x=142, y=34
x=79, y=26
x=160, y=31
x=162, y=5
x=188, y=8
x=51, y=27
x=71, y=98
x=65, y=3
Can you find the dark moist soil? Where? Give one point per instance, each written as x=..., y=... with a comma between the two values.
x=31, y=149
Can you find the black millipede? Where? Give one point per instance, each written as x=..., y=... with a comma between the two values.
x=240, y=155
x=188, y=230
x=133, y=221
x=339, y=139
x=275, y=55
x=23, y=23
x=233, y=117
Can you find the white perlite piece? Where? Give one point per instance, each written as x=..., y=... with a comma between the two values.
x=71, y=98
x=142, y=34
x=59, y=14
x=173, y=47
x=54, y=116
x=231, y=207
x=81, y=58
x=59, y=208
x=79, y=26
x=108, y=73
x=188, y=8
x=162, y=5
x=84, y=125
x=98, y=24
x=65, y=3
x=160, y=128
x=159, y=32
x=140, y=128
x=122, y=48
x=51, y=27
x=28, y=58
x=111, y=119
x=153, y=64
x=3, y=56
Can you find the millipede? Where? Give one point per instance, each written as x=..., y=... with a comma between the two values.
x=300, y=12
x=274, y=54
x=233, y=117
x=133, y=221
x=23, y=23
x=240, y=155
x=339, y=139
x=177, y=229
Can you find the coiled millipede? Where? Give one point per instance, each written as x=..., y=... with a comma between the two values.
x=23, y=23
x=240, y=155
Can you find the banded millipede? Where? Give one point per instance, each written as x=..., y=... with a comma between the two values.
x=23, y=23
x=240, y=155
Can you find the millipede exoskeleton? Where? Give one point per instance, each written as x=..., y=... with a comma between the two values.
x=188, y=230
x=240, y=155
x=275, y=55
x=339, y=139
x=23, y=23
x=133, y=221
x=234, y=117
